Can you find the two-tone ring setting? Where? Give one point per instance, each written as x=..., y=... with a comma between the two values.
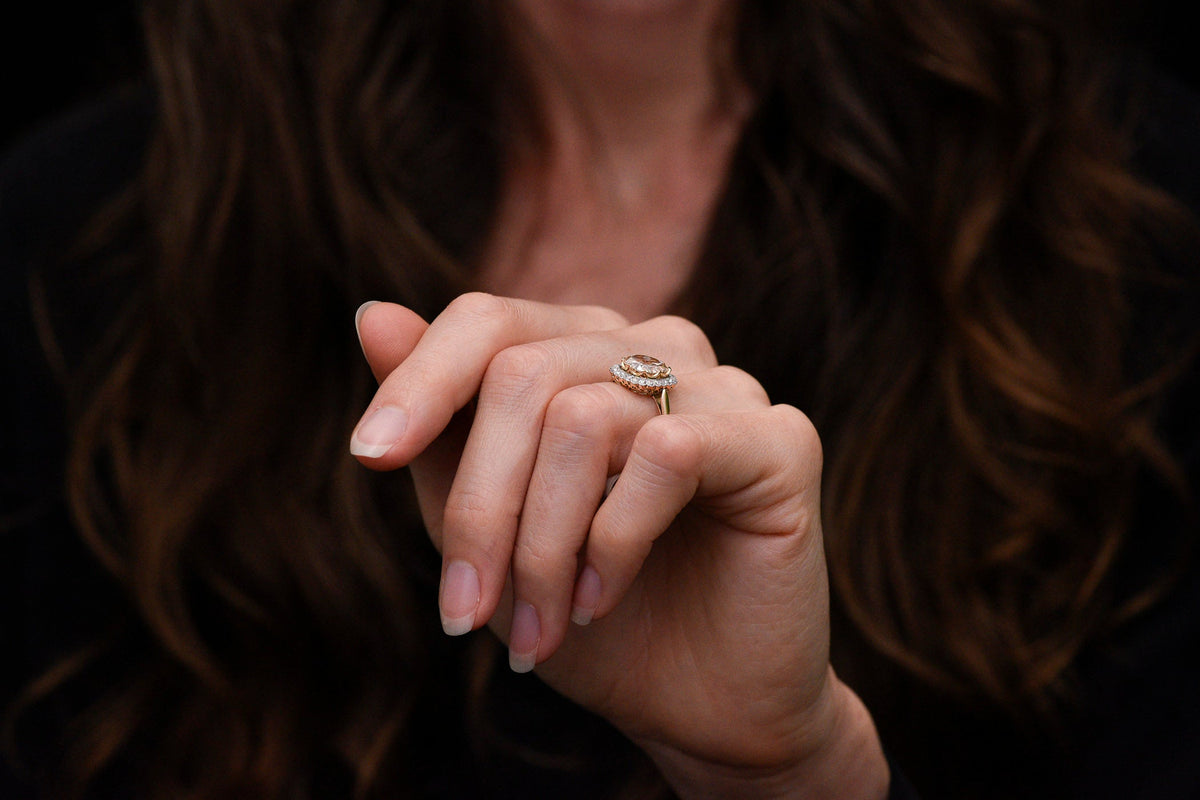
x=647, y=376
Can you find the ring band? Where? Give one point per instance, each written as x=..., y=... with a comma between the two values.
x=647, y=376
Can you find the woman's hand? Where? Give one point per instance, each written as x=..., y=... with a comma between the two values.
x=697, y=586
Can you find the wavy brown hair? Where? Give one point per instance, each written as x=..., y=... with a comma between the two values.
x=931, y=219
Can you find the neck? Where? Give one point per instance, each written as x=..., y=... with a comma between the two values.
x=622, y=85
x=638, y=114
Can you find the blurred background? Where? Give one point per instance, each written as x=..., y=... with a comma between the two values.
x=55, y=55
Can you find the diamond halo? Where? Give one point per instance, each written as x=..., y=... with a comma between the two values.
x=642, y=374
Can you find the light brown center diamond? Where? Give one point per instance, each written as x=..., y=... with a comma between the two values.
x=645, y=366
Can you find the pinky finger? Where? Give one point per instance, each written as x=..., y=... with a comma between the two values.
x=675, y=460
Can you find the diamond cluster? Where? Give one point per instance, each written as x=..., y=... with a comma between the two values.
x=643, y=374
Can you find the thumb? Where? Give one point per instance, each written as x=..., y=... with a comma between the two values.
x=387, y=333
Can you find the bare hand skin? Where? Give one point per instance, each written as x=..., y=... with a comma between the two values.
x=700, y=577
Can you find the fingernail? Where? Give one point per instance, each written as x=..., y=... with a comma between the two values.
x=376, y=434
x=523, y=638
x=587, y=596
x=460, y=598
x=358, y=320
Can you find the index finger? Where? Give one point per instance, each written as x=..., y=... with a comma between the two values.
x=417, y=399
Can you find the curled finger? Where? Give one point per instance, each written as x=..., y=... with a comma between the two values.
x=587, y=436
x=759, y=471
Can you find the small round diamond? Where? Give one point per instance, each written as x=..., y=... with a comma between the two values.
x=653, y=378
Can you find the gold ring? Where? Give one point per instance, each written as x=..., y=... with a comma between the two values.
x=647, y=376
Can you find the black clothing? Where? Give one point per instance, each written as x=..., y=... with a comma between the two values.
x=1139, y=737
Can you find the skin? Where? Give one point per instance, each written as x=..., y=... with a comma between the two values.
x=708, y=640
x=689, y=605
x=639, y=125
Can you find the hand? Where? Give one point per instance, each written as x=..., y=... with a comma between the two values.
x=700, y=579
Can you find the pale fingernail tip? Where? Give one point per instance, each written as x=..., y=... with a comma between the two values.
x=358, y=321
x=587, y=596
x=524, y=638
x=457, y=626
x=459, y=598
x=521, y=662
x=359, y=313
x=363, y=450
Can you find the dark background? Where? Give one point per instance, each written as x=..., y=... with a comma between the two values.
x=54, y=55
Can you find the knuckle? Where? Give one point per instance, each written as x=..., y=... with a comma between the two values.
x=798, y=428
x=691, y=336
x=582, y=412
x=531, y=562
x=517, y=371
x=741, y=383
x=479, y=305
x=670, y=444
x=607, y=318
x=520, y=362
x=473, y=519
